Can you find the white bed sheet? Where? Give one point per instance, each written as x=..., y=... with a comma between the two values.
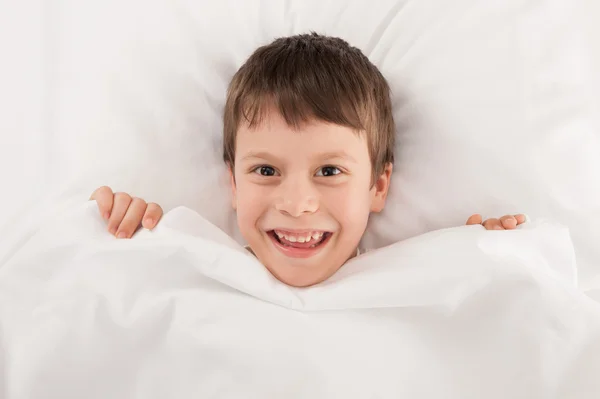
x=185, y=312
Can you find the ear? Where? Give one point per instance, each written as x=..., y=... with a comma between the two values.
x=233, y=188
x=380, y=189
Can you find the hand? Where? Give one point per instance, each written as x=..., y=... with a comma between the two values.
x=507, y=222
x=124, y=213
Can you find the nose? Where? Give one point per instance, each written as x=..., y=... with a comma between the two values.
x=296, y=197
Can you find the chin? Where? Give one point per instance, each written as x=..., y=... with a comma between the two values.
x=301, y=267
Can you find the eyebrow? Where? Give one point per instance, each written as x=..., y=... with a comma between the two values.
x=337, y=155
x=259, y=154
x=322, y=156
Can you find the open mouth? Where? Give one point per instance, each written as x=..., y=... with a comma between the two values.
x=299, y=244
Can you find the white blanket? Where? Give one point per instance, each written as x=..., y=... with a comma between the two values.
x=184, y=312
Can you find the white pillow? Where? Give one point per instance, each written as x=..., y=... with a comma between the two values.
x=496, y=104
x=23, y=108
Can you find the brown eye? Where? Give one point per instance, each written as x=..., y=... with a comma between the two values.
x=265, y=170
x=326, y=171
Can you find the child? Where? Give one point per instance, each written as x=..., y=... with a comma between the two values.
x=308, y=141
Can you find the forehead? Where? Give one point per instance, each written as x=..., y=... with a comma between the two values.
x=274, y=135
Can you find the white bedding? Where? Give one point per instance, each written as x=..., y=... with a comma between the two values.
x=497, y=105
x=185, y=312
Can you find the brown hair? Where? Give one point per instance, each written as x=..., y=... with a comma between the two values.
x=311, y=76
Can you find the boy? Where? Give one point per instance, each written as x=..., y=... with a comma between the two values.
x=308, y=142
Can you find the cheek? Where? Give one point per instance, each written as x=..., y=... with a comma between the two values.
x=349, y=204
x=251, y=203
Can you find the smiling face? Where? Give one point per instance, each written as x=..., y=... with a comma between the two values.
x=303, y=196
x=309, y=137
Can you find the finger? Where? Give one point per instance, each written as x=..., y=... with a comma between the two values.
x=132, y=219
x=474, y=219
x=493, y=224
x=120, y=205
x=520, y=218
x=508, y=222
x=153, y=214
x=104, y=198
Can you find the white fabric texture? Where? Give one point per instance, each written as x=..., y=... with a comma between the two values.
x=186, y=312
x=497, y=106
x=25, y=131
x=498, y=111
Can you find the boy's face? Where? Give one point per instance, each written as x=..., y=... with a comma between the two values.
x=303, y=197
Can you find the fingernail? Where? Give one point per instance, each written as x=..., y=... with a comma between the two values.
x=106, y=215
x=498, y=227
x=122, y=234
x=149, y=222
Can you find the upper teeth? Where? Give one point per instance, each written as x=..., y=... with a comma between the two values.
x=299, y=238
